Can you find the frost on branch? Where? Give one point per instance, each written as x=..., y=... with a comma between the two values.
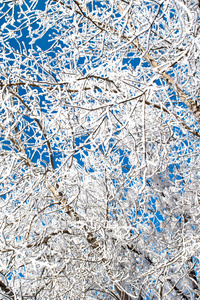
x=99, y=158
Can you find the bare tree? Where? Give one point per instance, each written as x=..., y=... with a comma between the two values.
x=100, y=148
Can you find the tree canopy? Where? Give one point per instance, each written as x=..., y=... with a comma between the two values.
x=100, y=143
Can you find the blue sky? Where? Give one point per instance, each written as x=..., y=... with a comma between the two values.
x=21, y=43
